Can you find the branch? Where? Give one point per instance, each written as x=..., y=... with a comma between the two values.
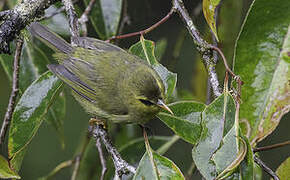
x=73, y=20
x=102, y=158
x=265, y=148
x=16, y=19
x=121, y=166
x=14, y=92
x=84, y=18
x=266, y=168
x=202, y=46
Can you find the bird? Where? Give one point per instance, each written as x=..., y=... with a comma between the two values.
x=109, y=83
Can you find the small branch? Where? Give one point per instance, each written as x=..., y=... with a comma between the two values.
x=77, y=161
x=121, y=166
x=84, y=18
x=266, y=148
x=164, y=19
x=17, y=18
x=73, y=20
x=202, y=46
x=102, y=158
x=266, y=168
x=14, y=91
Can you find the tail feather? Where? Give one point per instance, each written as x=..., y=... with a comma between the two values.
x=53, y=39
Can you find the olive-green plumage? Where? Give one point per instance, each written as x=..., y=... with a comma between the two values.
x=107, y=81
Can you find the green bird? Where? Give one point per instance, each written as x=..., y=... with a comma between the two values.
x=109, y=83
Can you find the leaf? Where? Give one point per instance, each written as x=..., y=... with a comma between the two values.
x=32, y=64
x=154, y=166
x=206, y=155
x=262, y=62
x=145, y=50
x=105, y=17
x=29, y=111
x=186, y=121
x=209, y=8
x=5, y=171
x=283, y=170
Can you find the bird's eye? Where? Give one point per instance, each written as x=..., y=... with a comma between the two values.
x=146, y=102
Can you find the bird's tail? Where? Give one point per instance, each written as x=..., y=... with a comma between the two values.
x=50, y=38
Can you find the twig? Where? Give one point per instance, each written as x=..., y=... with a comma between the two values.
x=77, y=161
x=84, y=18
x=17, y=19
x=121, y=166
x=190, y=170
x=265, y=168
x=59, y=167
x=164, y=19
x=125, y=17
x=73, y=20
x=265, y=148
x=14, y=91
x=215, y=60
x=102, y=158
x=202, y=46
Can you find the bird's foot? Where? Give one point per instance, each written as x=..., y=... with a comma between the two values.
x=95, y=121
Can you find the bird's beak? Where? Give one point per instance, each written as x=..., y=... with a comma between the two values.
x=161, y=104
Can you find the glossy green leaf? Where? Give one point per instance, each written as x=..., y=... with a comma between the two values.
x=29, y=111
x=145, y=50
x=5, y=171
x=206, y=155
x=154, y=166
x=209, y=8
x=105, y=17
x=186, y=121
x=262, y=62
x=283, y=170
x=32, y=64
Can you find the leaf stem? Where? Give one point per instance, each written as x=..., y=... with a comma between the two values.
x=14, y=91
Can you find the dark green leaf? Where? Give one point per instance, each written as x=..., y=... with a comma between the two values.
x=209, y=11
x=186, y=121
x=283, y=170
x=29, y=111
x=264, y=70
x=5, y=171
x=213, y=117
x=154, y=166
x=105, y=17
x=145, y=50
x=133, y=151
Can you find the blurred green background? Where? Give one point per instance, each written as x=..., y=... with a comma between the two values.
x=180, y=56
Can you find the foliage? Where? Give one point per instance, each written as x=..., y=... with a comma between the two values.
x=221, y=134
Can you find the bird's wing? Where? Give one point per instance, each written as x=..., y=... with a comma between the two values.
x=73, y=81
x=96, y=44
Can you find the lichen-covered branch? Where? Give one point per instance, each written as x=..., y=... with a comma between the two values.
x=121, y=166
x=14, y=91
x=202, y=46
x=17, y=18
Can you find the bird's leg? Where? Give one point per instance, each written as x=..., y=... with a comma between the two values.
x=98, y=131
